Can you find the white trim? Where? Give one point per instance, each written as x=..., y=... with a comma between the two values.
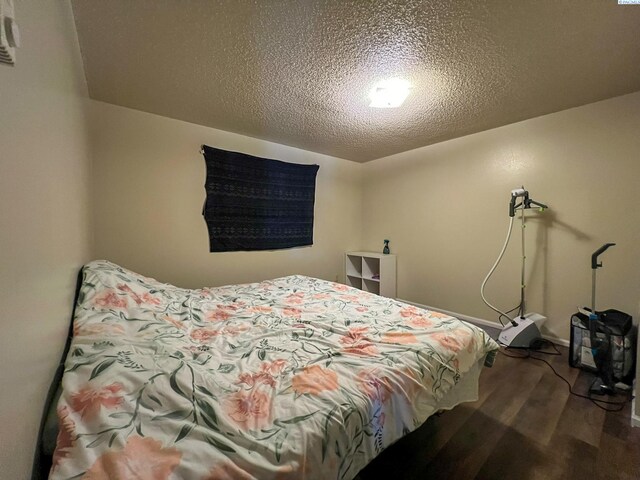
x=480, y=321
x=635, y=419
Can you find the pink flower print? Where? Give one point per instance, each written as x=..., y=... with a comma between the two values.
x=231, y=308
x=292, y=312
x=314, y=380
x=249, y=409
x=260, y=309
x=66, y=436
x=227, y=470
x=354, y=335
x=146, y=297
x=275, y=367
x=356, y=343
x=409, y=311
x=472, y=344
x=233, y=330
x=88, y=401
x=404, y=338
x=295, y=298
x=419, y=321
x=123, y=287
x=291, y=472
x=150, y=299
x=110, y=299
x=375, y=386
x=218, y=315
x=349, y=298
x=175, y=322
x=203, y=335
x=99, y=329
x=252, y=380
x=455, y=340
x=448, y=340
x=363, y=348
x=141, y=458
x=382, y=418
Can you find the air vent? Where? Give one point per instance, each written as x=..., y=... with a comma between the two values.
x=9, y=33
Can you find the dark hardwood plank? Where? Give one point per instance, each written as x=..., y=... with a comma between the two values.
x=539, y=417
x=616, y=424
x=463, y=456
x=580, y=418
x=517, y=456
x=618, y=459
x=515, y=385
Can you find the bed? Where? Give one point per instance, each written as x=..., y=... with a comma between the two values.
x=292, y=378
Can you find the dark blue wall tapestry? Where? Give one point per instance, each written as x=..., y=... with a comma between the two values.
x=256, y=203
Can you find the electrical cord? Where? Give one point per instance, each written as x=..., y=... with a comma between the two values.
x=495, y=265
x=507, y=312
x=618, y=405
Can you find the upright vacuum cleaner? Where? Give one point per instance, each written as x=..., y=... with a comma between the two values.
x=603, y=341
x=599, y=345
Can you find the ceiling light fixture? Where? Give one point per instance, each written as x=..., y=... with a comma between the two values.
x=389, y=93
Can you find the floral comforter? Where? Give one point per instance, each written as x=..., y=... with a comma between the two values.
x=292, y=378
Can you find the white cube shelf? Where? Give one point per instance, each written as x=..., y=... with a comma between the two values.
x=371, y=272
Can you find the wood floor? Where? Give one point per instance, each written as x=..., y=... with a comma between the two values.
x=524, y=426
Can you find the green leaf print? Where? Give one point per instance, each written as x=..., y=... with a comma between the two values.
x=184, y=431
x=175, y=415
x=208, y=414
x=206, y=391
x=97, y=441
x=101, y=367
x=297, y=419
x=279, y=442
x=174, y=383
x=223, y=447
x=121, y=415
x=226, y=367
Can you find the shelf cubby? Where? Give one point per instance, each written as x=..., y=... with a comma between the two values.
x=354, y=265
x=362, y=267
x=353, y=281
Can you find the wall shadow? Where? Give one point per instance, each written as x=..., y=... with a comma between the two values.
x=538, y=262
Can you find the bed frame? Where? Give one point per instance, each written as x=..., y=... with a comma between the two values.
x=41, y=460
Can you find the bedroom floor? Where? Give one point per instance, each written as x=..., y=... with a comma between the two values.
x=525, y=425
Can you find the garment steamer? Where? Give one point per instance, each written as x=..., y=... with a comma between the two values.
x=524, y=328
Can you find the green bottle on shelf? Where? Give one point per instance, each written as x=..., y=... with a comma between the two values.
x=386, y=250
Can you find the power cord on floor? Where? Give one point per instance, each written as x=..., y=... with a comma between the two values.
x=597, y=402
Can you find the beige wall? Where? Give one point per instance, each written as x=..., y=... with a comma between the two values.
x=444, y=208
x=44, y=221
x=149, y=190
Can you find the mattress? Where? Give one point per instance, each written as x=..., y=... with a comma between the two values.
x=292, y=378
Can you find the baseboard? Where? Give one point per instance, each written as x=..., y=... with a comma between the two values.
x=635, y=419
x=480, y=321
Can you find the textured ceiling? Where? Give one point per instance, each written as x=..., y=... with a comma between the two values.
x=299, y=72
